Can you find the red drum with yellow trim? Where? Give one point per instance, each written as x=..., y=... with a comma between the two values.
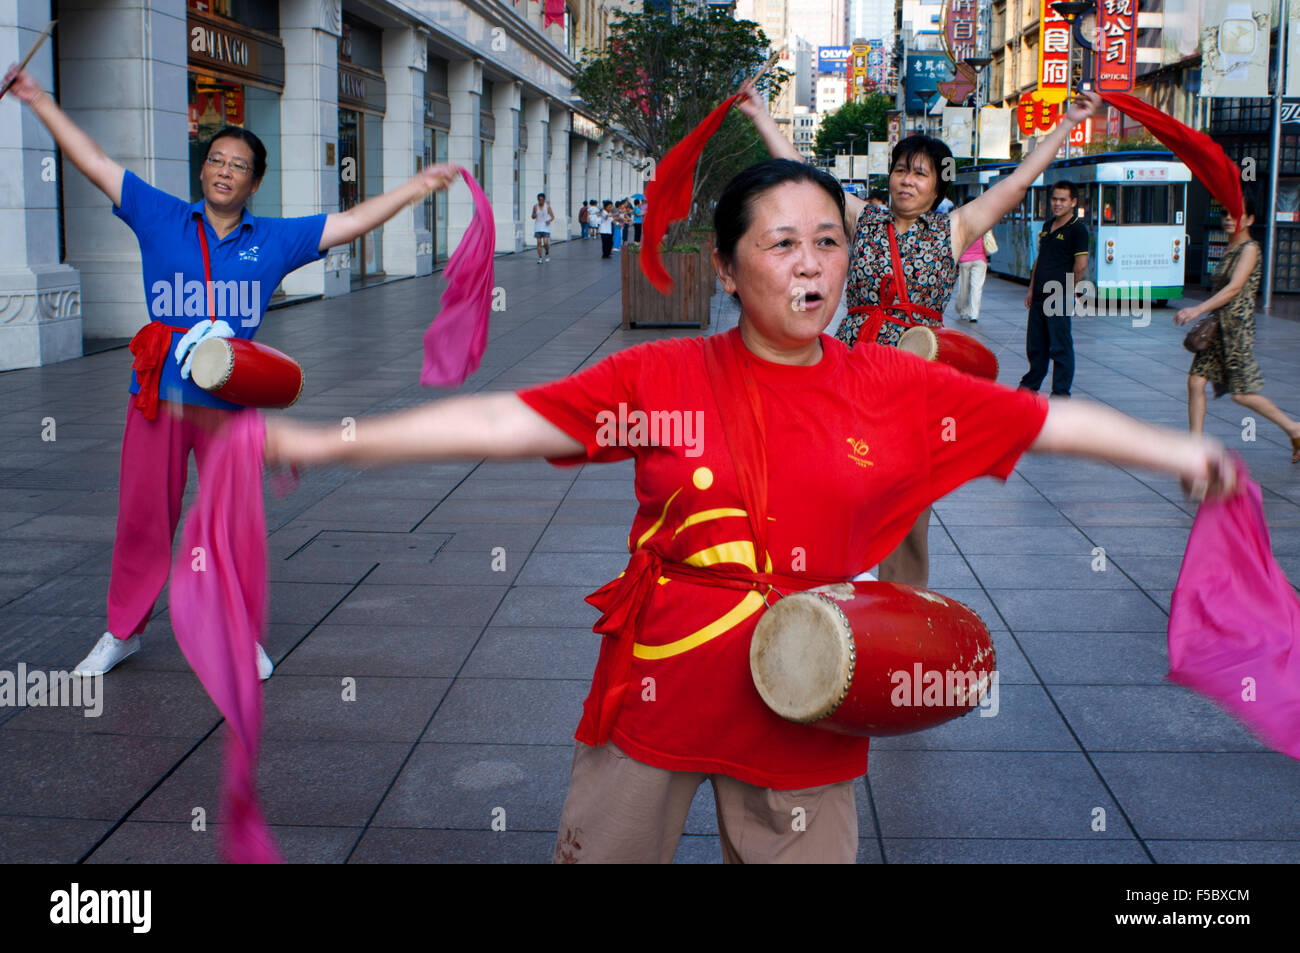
x=247, y=373
x=952, y=347
x=871, y=658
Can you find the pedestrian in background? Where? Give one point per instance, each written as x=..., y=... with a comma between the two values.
x=974, y=266
x=1229, y=361
x=543, y=216
x=605, y=227
x=582, y=219
x=1062, y=255
x=638, y=213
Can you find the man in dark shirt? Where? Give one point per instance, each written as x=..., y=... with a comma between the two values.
x=1062, y=252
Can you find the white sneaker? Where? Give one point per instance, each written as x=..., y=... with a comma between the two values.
x=548, y=257
x=108, y=651
x=264, y=664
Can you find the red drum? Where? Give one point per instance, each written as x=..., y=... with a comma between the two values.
x=871, y=658
x=247, y=373
x=951, y=347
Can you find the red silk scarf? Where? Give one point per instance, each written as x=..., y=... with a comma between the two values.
x=457, y=337
x=668, y=193
x=219, y=613
x=1202, y=155
x=1234, y=620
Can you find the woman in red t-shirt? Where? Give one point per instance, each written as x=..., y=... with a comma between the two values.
x=857, y=444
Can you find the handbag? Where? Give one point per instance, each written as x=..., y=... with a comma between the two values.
x=990, y=244
x=1202, y=334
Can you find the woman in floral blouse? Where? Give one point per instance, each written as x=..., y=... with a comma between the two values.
x=928, y=243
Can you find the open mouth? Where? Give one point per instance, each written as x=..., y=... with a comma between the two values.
x=220, y=187
x=811, y=298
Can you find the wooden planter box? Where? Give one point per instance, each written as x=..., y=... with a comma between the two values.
x=686, y=304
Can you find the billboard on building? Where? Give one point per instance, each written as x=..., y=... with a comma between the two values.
x=925, y=71
x=832, y=59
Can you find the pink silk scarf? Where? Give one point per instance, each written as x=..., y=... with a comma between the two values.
x=1234, y=621
x=219, y=613
x=457, y=338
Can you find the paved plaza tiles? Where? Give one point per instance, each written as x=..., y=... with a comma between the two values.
x=469, y=681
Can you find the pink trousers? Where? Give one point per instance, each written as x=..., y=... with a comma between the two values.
x=155, y=462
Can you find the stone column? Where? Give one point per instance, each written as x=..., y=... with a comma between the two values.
x=40, y=298
x=561, y=200
x=408, y=248
x=309, y=133
x=464, y=87
x=578, y=158
x=506, y=101
x=536, y=115
x=122, y=81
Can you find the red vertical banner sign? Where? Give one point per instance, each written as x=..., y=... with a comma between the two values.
x=1053, y=55
x=554, y=13
x=959, y=29
x=1116, y=45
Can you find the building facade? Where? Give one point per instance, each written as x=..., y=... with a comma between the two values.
x=350, y=98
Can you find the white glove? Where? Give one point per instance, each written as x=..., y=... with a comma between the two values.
x=200, y=332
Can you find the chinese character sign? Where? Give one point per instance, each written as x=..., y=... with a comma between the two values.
x=1053, y=55
x=959, y=24
x=1116, y=45
x=1035, y=114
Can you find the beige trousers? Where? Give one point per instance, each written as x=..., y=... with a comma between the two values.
x=620, y=811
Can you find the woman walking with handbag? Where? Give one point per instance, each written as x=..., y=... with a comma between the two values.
x=1224, y=342
x=974, y=265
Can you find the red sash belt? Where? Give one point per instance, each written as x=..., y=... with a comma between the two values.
x=624, y=601
x=151, y=345
x=894, y=287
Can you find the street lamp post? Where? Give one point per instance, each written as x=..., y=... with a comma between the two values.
x=978, y=63
x=1070, y=10
x=850, y=136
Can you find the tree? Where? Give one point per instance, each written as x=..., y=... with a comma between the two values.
x=662, y=72
x=867, y=119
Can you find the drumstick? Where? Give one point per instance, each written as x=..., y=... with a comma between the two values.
x=28, y=58
x=771, y=61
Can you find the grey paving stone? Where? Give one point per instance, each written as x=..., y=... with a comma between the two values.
x=1150, y=718
x=585, y=538
x=546, y=606
x=1097, y=658
x=1203, y=796
x=533, y=711
x=1224, y=851
x=365, y=708
x=44, y=556
x=80, y=774
x=468, y=786
x=1016, y=540
x=1012, y=513
x=405, y=846
x=157, y=842
x=452, y=567
x=129, y=701
x=1016, y=718
x=1048, y=572
x=995, y=794
x=379, y=650
x=983, y=850
x=1121, y=542
x=1077, y=610
x=308, y=783
x=47, y=840
x=304, y=602
x=416, y=605
x=571, y=569
x=508, y=652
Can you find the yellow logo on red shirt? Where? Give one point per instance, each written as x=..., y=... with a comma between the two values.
x=860, y=451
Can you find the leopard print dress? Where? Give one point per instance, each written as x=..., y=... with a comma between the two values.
x=1229, y=362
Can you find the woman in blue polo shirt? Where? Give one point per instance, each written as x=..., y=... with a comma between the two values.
x=248, y=256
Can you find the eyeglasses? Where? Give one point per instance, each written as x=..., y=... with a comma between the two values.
x=235, y=165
